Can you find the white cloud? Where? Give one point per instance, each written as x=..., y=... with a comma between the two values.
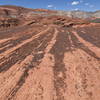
x=75, y=2
x=50, y=6
x=91, y=6
x=76, y=9
x=87, y=4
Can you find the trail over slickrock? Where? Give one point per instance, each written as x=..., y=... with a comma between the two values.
x=49, y=58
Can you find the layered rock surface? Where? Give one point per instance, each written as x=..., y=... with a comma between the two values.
x=49, y=58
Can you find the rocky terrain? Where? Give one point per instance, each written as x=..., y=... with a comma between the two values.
x=45, y=56
x=80, y=14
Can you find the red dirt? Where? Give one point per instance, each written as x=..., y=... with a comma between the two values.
x=44, y=60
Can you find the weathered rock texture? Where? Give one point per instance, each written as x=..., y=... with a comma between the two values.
x=49, y=58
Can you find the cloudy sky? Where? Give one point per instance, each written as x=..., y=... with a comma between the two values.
x=85, y=5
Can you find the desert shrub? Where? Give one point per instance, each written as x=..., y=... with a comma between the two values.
x=58, y=23
x=96, y=20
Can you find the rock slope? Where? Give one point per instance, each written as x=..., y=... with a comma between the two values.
x=50, y=58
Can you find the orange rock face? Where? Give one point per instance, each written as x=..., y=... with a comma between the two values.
x=50, y=58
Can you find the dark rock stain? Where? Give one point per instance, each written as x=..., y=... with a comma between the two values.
x=23, y=52
x=35, y=62
x=78, y=44
x=58, y=50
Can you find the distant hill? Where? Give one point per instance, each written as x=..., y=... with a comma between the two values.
x=7, y=10
x=80, y=14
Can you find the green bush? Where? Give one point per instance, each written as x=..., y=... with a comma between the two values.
x=96, y=20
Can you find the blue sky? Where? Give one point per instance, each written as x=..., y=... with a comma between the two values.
x=85, y=5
